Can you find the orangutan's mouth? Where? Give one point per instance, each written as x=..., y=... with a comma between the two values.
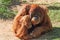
x=35, y=20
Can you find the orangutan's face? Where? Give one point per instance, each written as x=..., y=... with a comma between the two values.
x=35, y=15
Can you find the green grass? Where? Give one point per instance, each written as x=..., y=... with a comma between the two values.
x=5, y=2
x=54, y=12
x=5, y=12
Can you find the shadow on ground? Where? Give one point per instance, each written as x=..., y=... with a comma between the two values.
x=54, y=8
x=52, y=35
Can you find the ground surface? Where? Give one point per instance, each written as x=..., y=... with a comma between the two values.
x=7, y=34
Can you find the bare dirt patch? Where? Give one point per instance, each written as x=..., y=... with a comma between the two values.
x=5, y=30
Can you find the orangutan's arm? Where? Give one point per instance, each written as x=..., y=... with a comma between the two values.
x=20, y=14
x=22, y=30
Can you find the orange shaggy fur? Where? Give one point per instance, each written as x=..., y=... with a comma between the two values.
x=22, y=24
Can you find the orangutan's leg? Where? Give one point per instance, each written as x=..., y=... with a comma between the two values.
x=38, y=31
